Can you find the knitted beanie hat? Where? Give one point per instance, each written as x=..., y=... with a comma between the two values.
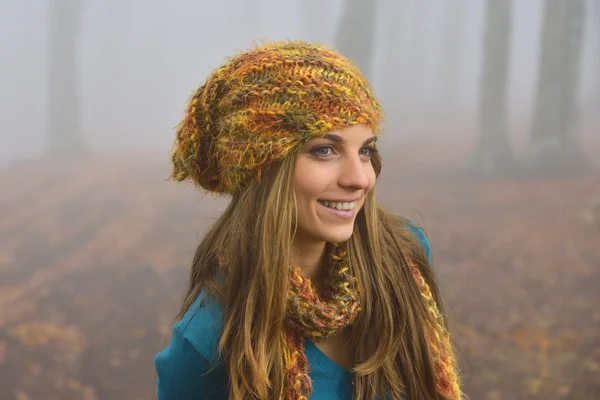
x=262, y=105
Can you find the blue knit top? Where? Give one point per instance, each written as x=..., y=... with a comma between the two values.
x=190, y=367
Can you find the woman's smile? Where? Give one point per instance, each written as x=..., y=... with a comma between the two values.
x=346, y=210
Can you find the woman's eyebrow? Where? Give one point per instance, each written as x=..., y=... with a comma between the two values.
x=370, y=140
x=339, y=139
x=334, y=137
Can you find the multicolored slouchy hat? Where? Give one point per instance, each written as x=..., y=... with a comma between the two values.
x=262, y=105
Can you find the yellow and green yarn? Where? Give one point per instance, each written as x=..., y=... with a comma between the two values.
x=256, y=109
x=440, y=346
x=309, y=315
x=262, y=105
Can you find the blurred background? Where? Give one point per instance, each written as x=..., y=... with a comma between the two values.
x=491, y=142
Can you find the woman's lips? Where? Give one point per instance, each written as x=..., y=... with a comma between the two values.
x=346, y=214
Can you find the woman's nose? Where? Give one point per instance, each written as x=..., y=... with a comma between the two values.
x=354, y=173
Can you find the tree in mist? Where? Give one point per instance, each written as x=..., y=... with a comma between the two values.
x=355, y=37
x=451, y=54
x=554, y=144
x=493, y=153
x=64, y=117
x=596, y=6
x=417, y=52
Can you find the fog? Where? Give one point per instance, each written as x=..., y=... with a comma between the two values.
x=138, y=61
x=491, y=143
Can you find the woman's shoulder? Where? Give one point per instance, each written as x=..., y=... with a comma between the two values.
x=419, y=233
x=189, y=367
x=202, y=326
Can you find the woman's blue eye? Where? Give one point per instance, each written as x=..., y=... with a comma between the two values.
x=367, y=151
x=323, y=151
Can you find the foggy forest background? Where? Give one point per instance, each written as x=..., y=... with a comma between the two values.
x=491, y=142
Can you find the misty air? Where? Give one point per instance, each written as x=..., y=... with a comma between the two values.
x=488, y=141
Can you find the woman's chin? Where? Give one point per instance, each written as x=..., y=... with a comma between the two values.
x=325, y=233
x=338, y=235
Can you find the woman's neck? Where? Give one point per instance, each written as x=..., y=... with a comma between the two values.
x=308, y=256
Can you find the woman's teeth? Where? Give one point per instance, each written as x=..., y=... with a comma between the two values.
x=338, y=205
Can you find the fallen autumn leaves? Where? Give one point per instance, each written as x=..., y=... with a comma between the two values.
x=93, y=265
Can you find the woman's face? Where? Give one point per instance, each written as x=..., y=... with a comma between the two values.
x=331, y=179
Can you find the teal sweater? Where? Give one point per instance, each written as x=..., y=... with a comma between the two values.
x=190, y=367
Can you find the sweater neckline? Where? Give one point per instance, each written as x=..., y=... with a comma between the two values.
x=316, y=355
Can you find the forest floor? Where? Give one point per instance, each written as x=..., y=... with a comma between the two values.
x=94, y=255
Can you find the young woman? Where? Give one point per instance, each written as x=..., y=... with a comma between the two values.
x=305, y=287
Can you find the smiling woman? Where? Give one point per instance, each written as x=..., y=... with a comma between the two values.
x=305, y=286
x=332, y=176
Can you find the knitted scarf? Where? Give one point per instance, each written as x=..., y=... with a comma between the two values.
x=317, y=317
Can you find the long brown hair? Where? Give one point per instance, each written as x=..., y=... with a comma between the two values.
x=242, y=263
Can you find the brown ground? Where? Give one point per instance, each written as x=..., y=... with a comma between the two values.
x=93, y=257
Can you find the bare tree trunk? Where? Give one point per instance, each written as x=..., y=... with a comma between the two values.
x=418, y=63
x=554, y=146
x=493, y=153
x=596, y=6
x=356, y=33
x=451, y=54
x=64, y=117
x=394, y=94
